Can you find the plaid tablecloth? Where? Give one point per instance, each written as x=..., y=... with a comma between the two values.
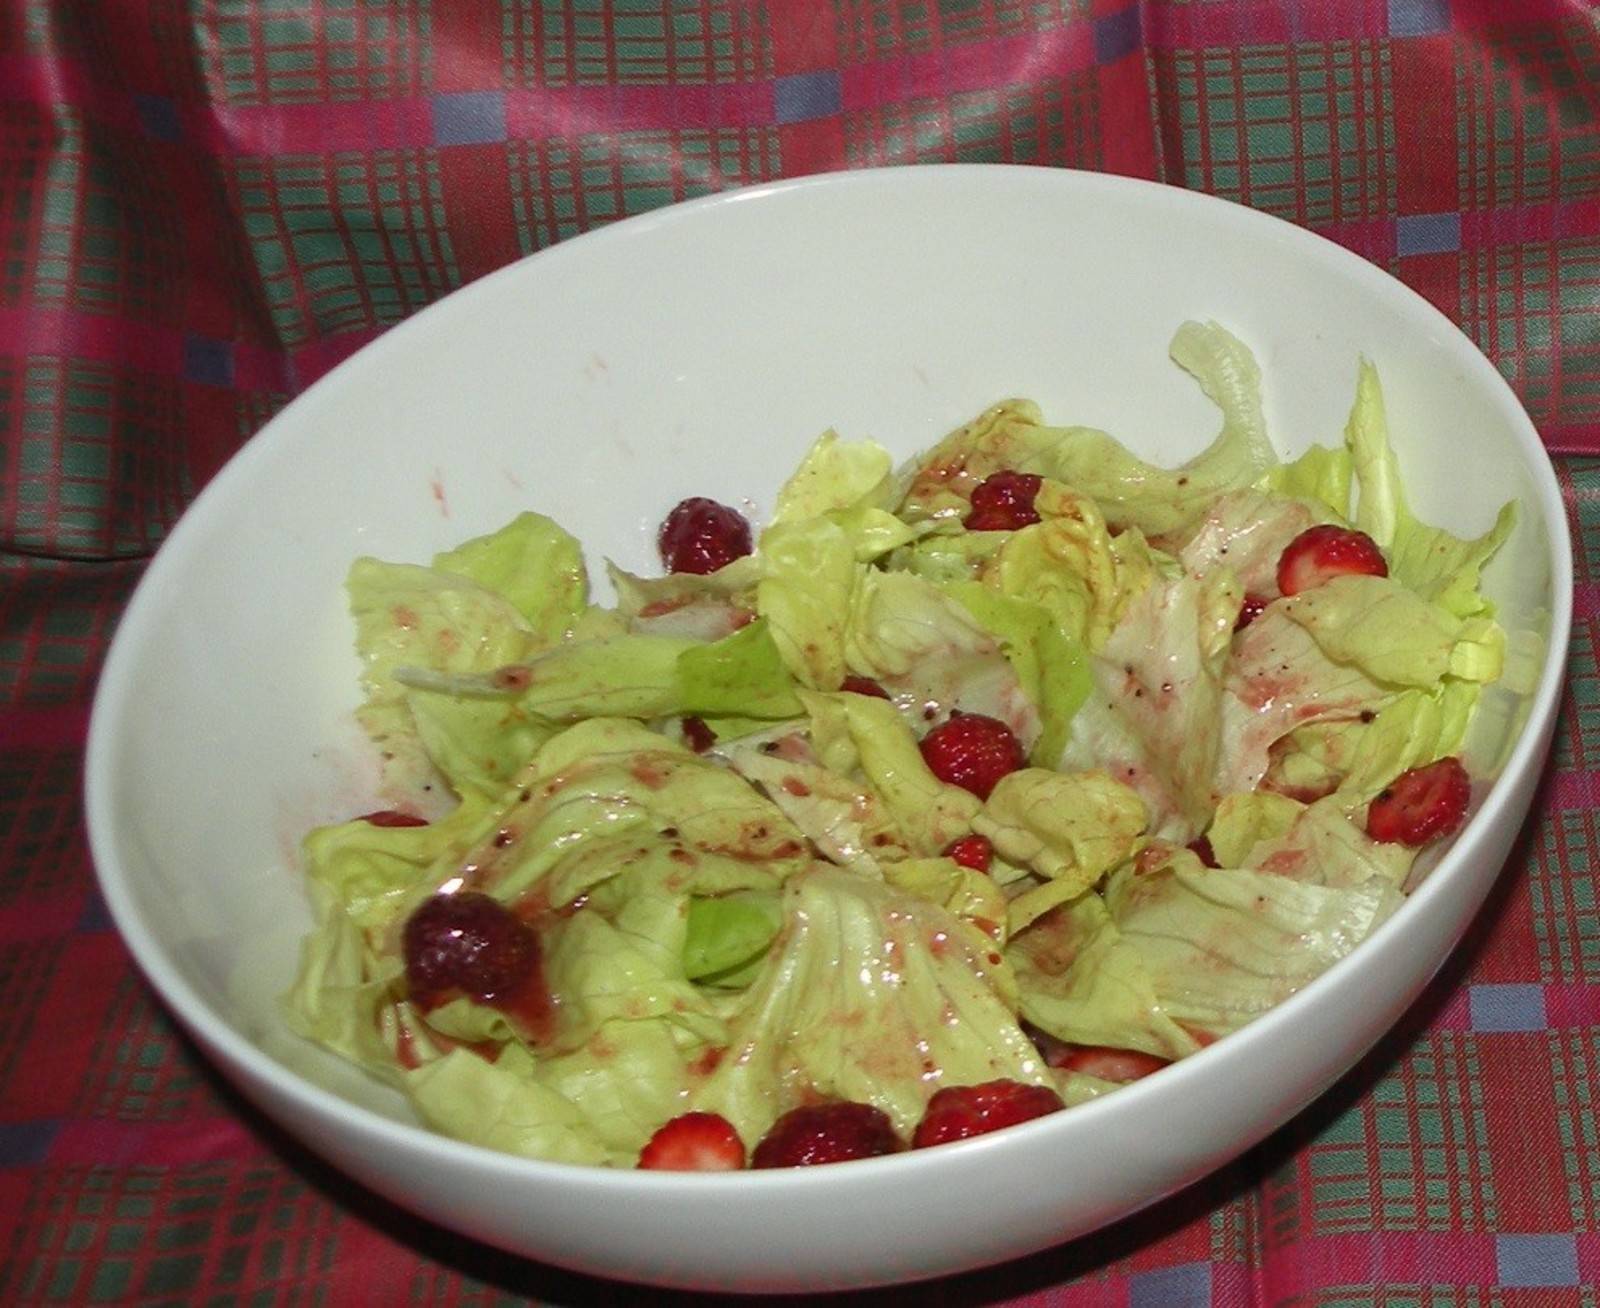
x=204, y=204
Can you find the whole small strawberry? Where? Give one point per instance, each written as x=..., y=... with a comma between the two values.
x=1003, y=501
x=694, y=1142
x=467, y=941
x=834, y=1132
x=700, y=536
x=1421, y=804
x=960, y=1111
x=1319, y=554
x=972, y=751
x=972, y=851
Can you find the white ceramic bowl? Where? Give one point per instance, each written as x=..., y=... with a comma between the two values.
x=698, y=350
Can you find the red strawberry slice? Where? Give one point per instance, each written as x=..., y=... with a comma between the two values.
x=960, y=1111
x=1003, y=501
x=864, y=686
x=1319, y=554
x=393, y=817
x=972, y=851
x=972, y=751
x=1107, y=1064
x=1421, y=804
x=834, y=1132
x=694, y=1142
x=700, y=536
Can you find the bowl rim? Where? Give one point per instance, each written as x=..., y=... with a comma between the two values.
x=254, y=1069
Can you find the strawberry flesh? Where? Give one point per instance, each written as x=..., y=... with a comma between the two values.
x=694, y=1142
x=701, y=536
x=972, y=851
x=972, y=751
x=1421, y=804
x=833, y=1132
x=1319, y=554
x=961, y=1111
x=1003, y=501
x=1108, y=1064
x=864, y=686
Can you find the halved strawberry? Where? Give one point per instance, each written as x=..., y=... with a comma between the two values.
x=1421, y=804
x=694, y=1142
x=960, y=1111
x=972, y=851
x=972, y=751
x=1107, y=1064
x=1319, y=554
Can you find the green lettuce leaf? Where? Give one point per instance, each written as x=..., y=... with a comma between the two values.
x=926, y=650
x=1443, y=569
x=806, y=594
x=872, y=995
x=535, y=565
x=1154, y=716
x=1080, y=982
x=858, y=735
x=1052, y=667
x=742, y=674
x=1069, y=827
x=1381, y=627
x=727, y=933
x=1222, y=946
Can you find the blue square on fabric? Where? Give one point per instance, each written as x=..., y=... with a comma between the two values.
x=1116, y=35
x=158, y=115
x=1507, y=1008
x=1428, y=233
x=803, y=96
x=1185, y=1286
x=469, y=118
x=1418, y=17
x=1536, y=1260
x=208, y=361
x=23, y=1144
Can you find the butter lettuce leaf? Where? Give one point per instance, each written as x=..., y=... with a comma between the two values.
x=873, y=995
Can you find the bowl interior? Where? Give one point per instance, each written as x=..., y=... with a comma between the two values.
x=699, y=351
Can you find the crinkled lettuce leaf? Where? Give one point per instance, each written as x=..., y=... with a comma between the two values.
x=1081, y=983
x=1222, y=946
x=873, y=995
x=1051, y=666
x=925, y=648
x=533, y=564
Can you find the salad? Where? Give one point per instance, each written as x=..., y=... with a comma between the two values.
x=961, y=793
